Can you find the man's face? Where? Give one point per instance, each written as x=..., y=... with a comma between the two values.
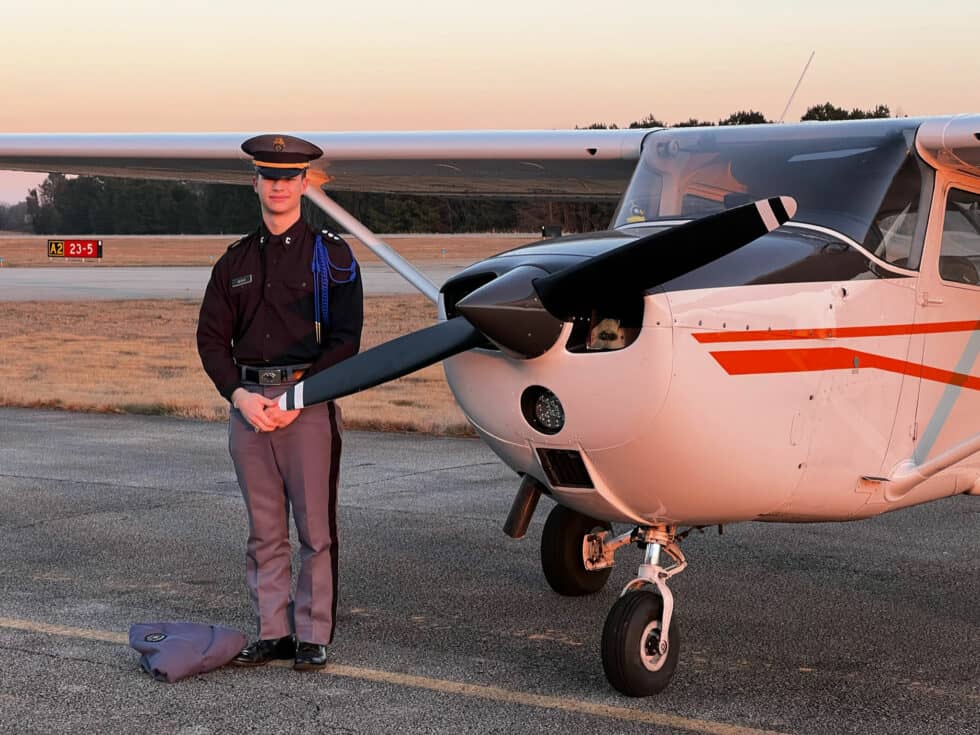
x=279, y=196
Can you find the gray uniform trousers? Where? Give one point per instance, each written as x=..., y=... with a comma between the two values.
x=296, y=467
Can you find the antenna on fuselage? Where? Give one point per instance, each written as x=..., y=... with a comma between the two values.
x=798, y=83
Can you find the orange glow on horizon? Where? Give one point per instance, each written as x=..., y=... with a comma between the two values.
x=116, y=66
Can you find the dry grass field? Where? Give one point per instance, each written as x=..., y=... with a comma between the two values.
x=32, y=251
x=141, y=357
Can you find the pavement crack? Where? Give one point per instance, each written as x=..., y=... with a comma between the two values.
x=409, y=512
x=423, y=472
x=74, y=516
x=157, y=488
x=62, y=657
x=126, y=486
x=102, y=483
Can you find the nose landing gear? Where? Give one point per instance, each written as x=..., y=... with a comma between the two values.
x=641, y=640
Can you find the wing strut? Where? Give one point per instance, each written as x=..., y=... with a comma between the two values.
x=401, y=266
x=909, y=473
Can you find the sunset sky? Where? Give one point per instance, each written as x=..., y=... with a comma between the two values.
x=115, y=65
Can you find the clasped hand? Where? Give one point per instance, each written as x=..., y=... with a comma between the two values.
x=262, y=413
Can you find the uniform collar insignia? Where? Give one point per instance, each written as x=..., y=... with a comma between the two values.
x=290, y=236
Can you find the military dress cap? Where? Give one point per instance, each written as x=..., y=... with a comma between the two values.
x=281, y=156
x=173, y=651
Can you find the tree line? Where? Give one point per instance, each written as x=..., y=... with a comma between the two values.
x=115, y=206
x=112, y=206
x=820, y=113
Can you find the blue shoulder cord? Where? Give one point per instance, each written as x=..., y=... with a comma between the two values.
x=322, y=276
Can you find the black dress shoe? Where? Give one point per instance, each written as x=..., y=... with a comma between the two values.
x=310, y=656
x=265, y=650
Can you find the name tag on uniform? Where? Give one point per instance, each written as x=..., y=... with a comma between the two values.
x=241, y=281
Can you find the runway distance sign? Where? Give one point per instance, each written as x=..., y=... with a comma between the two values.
x=74, y=248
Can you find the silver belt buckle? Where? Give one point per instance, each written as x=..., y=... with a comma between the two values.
x=270, y=377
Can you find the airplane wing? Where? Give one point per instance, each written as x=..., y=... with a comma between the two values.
x=951, y=141
x=556, y=164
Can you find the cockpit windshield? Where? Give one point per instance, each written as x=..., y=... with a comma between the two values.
x=839, y=173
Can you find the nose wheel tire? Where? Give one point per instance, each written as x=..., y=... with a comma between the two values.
x=633, y=654
x=562, y=555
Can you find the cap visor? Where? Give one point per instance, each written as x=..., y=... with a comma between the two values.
x=278, y=173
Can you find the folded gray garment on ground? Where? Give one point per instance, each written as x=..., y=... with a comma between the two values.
x=173, y=651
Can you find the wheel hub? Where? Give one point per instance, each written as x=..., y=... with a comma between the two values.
x=652, y=649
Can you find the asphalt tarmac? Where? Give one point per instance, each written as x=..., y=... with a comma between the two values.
x=446, y=625
x=175, y=282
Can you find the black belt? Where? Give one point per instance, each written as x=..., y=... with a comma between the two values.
x=272, y=375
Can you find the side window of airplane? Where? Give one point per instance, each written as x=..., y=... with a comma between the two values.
x=959, y=256
x=897, y=233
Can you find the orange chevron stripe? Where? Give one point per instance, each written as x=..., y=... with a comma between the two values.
x=757, y=362
x=880, y=330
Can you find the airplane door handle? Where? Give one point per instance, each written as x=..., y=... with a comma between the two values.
x=926, y=300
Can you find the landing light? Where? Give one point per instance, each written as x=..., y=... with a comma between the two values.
x=542, y=410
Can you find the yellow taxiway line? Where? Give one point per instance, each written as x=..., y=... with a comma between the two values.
x=493, y=694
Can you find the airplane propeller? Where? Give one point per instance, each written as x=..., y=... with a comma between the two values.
x=522, y=311
x=636, y=267
x=393, y=359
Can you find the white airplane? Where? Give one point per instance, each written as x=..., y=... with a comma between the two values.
x=781, y=324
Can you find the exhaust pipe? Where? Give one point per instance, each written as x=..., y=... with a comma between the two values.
x=525, y=503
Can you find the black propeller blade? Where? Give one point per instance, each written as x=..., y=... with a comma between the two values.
x=523, y=313
x=385, y=362
x=653, y=260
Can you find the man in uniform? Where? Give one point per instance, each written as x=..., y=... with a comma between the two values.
x=282, y=304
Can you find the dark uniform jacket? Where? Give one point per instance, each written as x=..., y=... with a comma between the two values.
x=258, y=308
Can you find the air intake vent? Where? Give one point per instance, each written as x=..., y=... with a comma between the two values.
x=565, y=468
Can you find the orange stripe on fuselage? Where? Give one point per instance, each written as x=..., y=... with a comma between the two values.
x=880, y=330
x=757, y=362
